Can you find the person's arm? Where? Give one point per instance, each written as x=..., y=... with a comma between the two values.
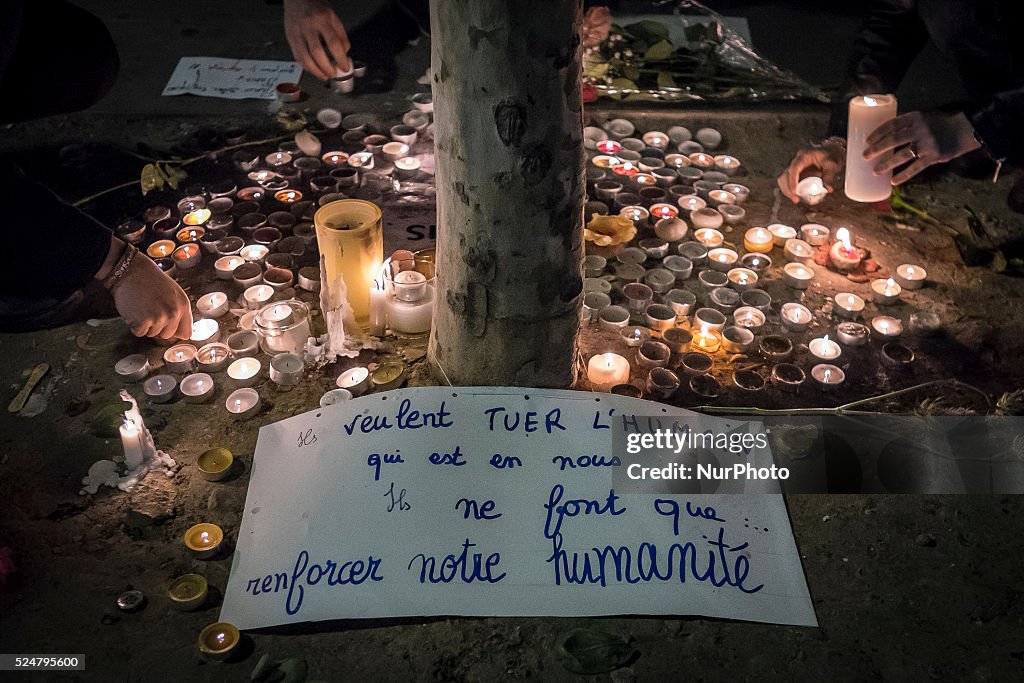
x=998, y=126
x=317, y=37
x=892, y=36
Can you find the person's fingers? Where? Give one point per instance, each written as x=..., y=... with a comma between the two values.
x=796, y=167
x=325, y=68
x=885, y=129
x=139, y=329
x=910, y=171
x=897, y=138
x=897, y=158
x=336, y=39
x=184, y=326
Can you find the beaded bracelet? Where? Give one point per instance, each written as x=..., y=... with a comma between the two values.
x=121, y=268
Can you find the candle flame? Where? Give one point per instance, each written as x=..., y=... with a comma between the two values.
x=828, y=375
x=843, y=235
x=204, y=537
x=870, y=101
x=889, y=284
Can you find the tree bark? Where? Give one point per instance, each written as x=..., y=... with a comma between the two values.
x=510, y=190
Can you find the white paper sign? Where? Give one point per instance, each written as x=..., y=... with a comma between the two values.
x=233, y=79
x=492, y=502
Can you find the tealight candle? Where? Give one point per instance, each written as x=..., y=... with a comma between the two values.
x=895, y=355
x=652, y=354
x=190, y=234
x=606, y=370
x=197, y=387
x=712, y=279
x=811, y=190
x=660, y=317
x=254, y=253
x=742, y=279
x=708, y=219
x=719, y=198
x=634, y=335
x=196, y=217
x=608, y=147
x=757, y=262
x=695, y=363
x=663, y=211
x=852, y=334
x=843, y=255
x=848, y=305
x=408, y=164
x=758, y=240
x=706, y=340
x=204, y=539
x=748, y=380
x=387, y=376
x=596, y=284
x=132, y=368
x=885, y=292
x=798, y=251
x=630, y=272
x=309, y=278
x=180, y=358
x=613, y=318
x=213, y=305
x=727, y=164
x=722, y=259
x=691, y=203
x=213, y=357
x=702, y=160
x=204, y=331
x=671, y=229
x=243, y=343
x=828, y=376
x=695, y=252
x=795, y=317
x=655, y=139
x=247, y=275
x=737, y=339
x=256, y=296
x=230, y=246
x=788, y=377
x=645, y=180
x=356, y=380
x=749, y=317
x=637, y=214
x=814, y=234
x=243, y=403
x=797, y=275
x=336, y=158
x=245, y=372
x=775, y=348
x=679, y=266
x=160, y=388
x=334, y=397
x=677, y=339
x=732, y=214
x=278, y=158
x=286, y=369
x=594, y=265
x=187, y=256
x=662, y=382
x=160, y=249
x=638, y=297
x=756, y=298
x=724, y=299
x=188, y=592
x=781, y=233
x=740, y=192
x=214, y=464
x=925, y=322
x=682, y=301
x=910, y=276
x=593, y=303
x=606, y=161
x=887, y=327
x=626, y=169
x=278, y=278
x=824, y=348
x=710, y=238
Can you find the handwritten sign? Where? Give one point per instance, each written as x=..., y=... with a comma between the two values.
x=492, y=501
x=233, y=79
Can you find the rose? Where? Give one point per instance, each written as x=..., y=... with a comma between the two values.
x=597, y=24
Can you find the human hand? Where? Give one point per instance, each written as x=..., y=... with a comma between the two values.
x=151, y=303
x=317, y=37
x=919, y=141
x=826, y=161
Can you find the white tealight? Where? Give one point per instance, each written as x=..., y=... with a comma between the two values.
x=205, y=330
x=213, y=305
x=410, y=285
x=197, y=387
x=257, y=295
x=243, y=403
x=356, y=380
x=132, y=368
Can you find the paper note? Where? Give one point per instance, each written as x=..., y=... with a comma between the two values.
x=494, y=502
x=233, y=79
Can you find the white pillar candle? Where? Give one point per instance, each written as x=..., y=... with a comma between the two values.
x=909, y=276
x=378, y=310
x=605, y=370
x=866, y=114
x=131, y=442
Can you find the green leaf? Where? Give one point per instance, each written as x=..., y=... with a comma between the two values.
x=631, y=72
x=650, y=30
x=173, y=174
x=592, y=651
x=151, y=179
x=998, y=264
x=623, y=84
x=662, y=49
x=665, y=80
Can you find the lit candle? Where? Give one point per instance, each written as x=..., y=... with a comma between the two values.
x=288, y=196
x=394, y=151
x=634, y=335
x=691, y=203
x=190, y=234
x=626, y=169
x=187, y=256
x=244, y=372
x=204, y=331
x=843, y=255
x=213, y=305
x=334, y=158
x=722, y=259
x=828, y=376
x=887, y=327
x=161, y=388
x=254, y=253
x=824, y=348
x=363, y=160
x=706, y=340
x=811, y=190
x=656, y=139
x=605, y=370
x=848, y=305
x=661, y=211
x=606, y=161
x=637, y=214
x=356, y=380
x=180, y=358
x=798, y=251
x=676, y=160
x=814, y=234
x=702, y=160
x=408, y=164
x=197, y=387
x=719, y=198
x=709, y=237
x=759, y=240
x=910, y=276
x=727, y=164
x=797, y=275
x=204, y=539
x=213, y=357
x=257, y=296
x=866, y=114
x=196, y=217
x=885, y=292
x=131, y=442
x=219, y=641
x=749, y=317
x=742, y=279
x=782, y=233
x=609, y=147
x=160, y=249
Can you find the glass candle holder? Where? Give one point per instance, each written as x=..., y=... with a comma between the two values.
x=283, y=327
x=351, y=243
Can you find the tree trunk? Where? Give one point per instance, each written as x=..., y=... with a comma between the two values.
x=510, y=187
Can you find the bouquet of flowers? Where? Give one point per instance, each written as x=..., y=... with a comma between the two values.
x=642, y=61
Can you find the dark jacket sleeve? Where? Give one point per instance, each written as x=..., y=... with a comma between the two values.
x=892, y=36
x=49, y=247
x=999, y=125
